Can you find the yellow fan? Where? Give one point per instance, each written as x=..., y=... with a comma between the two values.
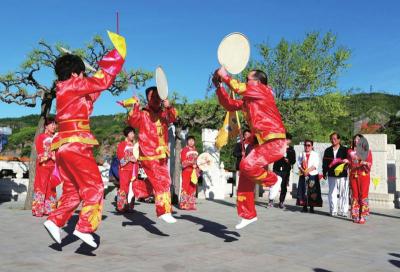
x=128, y=102
x=119, y=43
x=339, y=169
x=193, y=177
x=376, y=181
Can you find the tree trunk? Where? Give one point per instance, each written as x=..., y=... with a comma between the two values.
x=45, y=109
x=177, y=168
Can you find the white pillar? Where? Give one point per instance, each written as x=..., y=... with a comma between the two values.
x=379, y=196
x=397, y=200
x=214, y=180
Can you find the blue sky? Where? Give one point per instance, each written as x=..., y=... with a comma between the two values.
x=183, y=36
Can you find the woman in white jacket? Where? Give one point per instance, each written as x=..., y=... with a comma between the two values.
x=309, y=189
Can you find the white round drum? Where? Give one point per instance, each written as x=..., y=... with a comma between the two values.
x=162, y=83
x=205, y=161
x=234, y=52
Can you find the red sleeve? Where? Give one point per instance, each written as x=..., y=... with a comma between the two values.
x=120, y=150
x=89, y=85
x=39, y=146
x=228, y=103
x=184, y=161
x=135, y=116
x=235, y=85
x=170, y=114
x=110, y=66
x=121, y=153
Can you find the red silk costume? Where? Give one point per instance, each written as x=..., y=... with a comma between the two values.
x=188, y=192
x=44, y=194
x=359, y=181
x=74, y=144
x=153, y=150
x=263, y=117
x=128, y=172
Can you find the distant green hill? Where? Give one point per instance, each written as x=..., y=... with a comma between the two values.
x=106, y=128
x=361, y=103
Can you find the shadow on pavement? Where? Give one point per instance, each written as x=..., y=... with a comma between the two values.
x=8, y=186
x=213, y=228
x=84, y=249
x=321, y=270
x=395, y=262
x=295, y=208
x=223, y=202
x=385, y=215
x=139, y=219
x=87, y=250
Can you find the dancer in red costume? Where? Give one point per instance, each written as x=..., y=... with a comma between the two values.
x=74, y=143
x=359, y=182
x=128, y=168
x=190, y=174
x=263, y=117
x=152, y=123
x=44, y=194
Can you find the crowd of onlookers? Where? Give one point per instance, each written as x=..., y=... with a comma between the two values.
x=342, y=168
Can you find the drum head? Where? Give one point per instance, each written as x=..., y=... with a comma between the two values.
x=162, y=83
x=234, y=52
x=205, y=161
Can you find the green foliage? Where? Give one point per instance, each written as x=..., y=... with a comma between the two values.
x=359, y=104
x=226, y=155
x=315, y=118
x=108, y=129
x=22, y=139
x=17, y=123
x=200, y=114
x=392, y=129
x=26, y=151
x=302, y=69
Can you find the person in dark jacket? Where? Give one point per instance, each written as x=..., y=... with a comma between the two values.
x=283, y=168
x=333, y=170
x=242, y=150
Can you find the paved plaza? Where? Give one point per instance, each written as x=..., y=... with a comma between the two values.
x=205, y=240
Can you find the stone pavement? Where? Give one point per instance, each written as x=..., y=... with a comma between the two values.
x=205, y=240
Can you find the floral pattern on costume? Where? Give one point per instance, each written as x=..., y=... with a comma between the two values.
x=187, y=201
x=38, y=204
x=122, y=201
x=94, y=214
x=164, y=200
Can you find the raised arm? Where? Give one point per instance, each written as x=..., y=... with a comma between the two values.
x=121, y=154
x=170, y=114
x=228, y=103
x=110, y=66
x=41, y=154
x=135, y=116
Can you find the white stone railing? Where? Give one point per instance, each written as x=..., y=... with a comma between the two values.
x=15, y=188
